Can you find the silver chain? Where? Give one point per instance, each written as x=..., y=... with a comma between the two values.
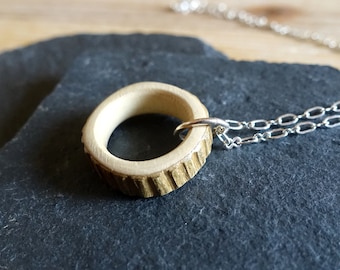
x=285, y=124
x=280, y=127
x=222, y=11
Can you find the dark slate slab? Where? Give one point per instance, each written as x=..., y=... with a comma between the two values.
x=273, y=205
x=27, y=75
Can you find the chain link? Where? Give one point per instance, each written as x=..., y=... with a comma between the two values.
x=222, y=11
x=285, y=124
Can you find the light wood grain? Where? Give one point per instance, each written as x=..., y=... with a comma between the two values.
x=23, y=22
x=158, y=176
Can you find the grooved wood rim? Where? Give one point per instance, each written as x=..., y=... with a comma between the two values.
x=157, y=176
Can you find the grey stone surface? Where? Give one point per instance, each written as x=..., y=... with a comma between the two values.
x=27, y=75
x=273, y=205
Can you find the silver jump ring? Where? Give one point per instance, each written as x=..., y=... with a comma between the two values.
x=211, y=121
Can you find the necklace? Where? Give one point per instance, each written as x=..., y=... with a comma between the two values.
x=166, y=173
x=222, y=11
x=163, y=174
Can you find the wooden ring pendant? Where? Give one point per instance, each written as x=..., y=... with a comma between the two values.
x=160, y=175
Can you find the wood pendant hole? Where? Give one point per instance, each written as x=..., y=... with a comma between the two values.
x=144, y=137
